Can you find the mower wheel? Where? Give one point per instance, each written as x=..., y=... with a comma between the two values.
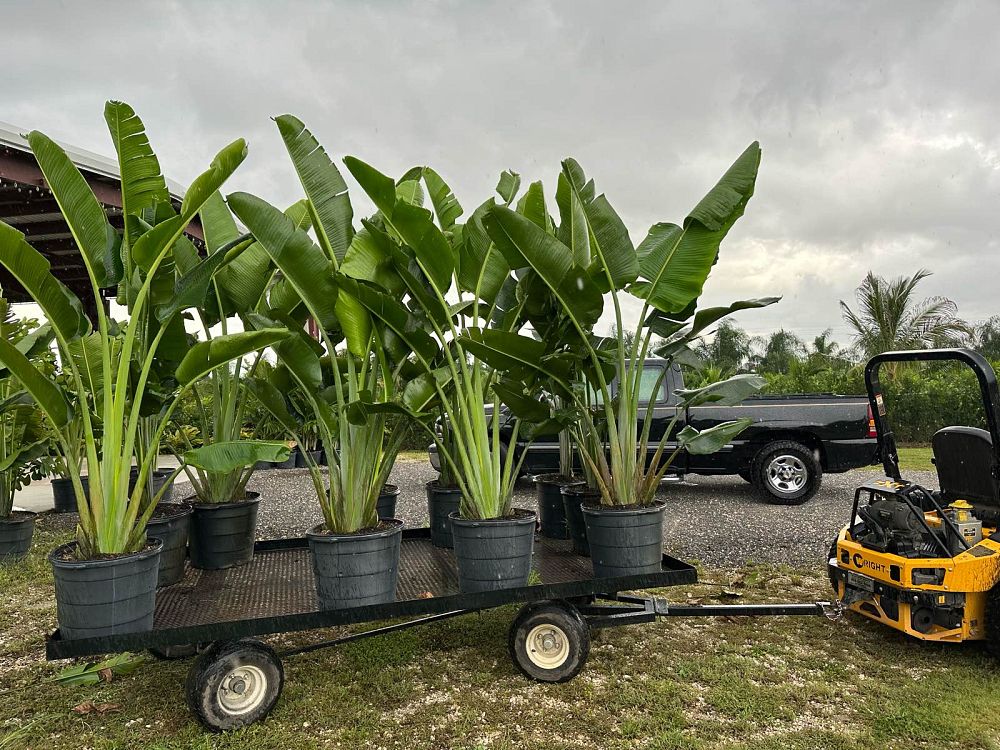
x=786, y=472
x=993, y=621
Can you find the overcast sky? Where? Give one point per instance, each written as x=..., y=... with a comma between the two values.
x=879, y=122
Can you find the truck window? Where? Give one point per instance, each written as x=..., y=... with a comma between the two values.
x=650, y=374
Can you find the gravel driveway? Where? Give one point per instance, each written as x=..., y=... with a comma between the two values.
x=715, y=520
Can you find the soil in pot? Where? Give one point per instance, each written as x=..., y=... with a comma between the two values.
x=354, y=570
x=63, y=496
x=16, y=531
x=441, y=503
x=386, y=505
x=300, y=459
x=493, y=554
x=222, y=534
x=551, y=508
x=171, y=524
x=625, y=541
x=109, y=596
x=574, y=496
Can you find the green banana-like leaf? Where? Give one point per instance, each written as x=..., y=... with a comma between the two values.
x=205, y=356
x=25, y=453
x=191, y=288
x=532, y=207
x=573, y=230
x=711, y=439
x=446, y=205
x=422, y=391
x=151, y=244
x=723, y=393
x=508, y=185
x=142, y=183
x=245, y=278
x=394, y=314
x=217, y=223
x=61, y=307
x=36, y=342
x=86, y=353
x=271, y=399
x=47, y=394
x=303, y=264
x=212, y=179
x=482, y=268
x=613, y=255
x=227, y=456
x=524, y=244
x=415, y=225
x=521, y=405
x=675, y=261
x=80, y=208
x=323, y=185
x=370, y=258
x=710, y=315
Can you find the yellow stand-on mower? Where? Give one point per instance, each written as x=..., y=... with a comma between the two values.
x=925, y=561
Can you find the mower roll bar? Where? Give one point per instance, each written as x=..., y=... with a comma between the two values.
x=987, y=386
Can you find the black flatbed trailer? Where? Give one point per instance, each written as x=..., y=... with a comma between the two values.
x=236, y=680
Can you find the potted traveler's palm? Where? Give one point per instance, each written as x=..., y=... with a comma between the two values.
x=667, y=272
x=348, y=394
x=106, y=578
x=24, y=436
x=224, y=523
x=437, y=264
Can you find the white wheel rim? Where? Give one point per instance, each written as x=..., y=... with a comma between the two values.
x=242, y=690
x=547, y=646
x=787, y=474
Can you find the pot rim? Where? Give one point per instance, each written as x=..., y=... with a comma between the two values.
x=324, y=537
x=83, y=478
x=655, y=507
x=454, y=517
x=554, y=478
x=389, y=489
x=142, y=554
x=436, y=486
x=187, y=507
x=581, y=490
x=192, y=501
x=28, y=516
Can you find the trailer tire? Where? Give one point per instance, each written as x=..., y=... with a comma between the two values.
x=234, y=684
x=549, y=641
x=786, y=472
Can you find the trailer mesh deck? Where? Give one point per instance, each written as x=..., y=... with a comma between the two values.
x=280, y=582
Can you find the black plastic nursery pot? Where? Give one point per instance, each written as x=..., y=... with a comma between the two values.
x=551, y=509
x=300, y=459
x=625, y=541
x=160, y=478
x=574, y=496
x=15, y=535
x=441, y=503
x=353, y=570
x=263, y=465
x=63, y=496
x=386, y=505
x=494, y=553
x=112, y=596
x=222, y=534
x=171, y=524
x=289, y=463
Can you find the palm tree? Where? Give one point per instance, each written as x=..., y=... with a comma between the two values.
x=780, y=350
x=729, y=350
x=890, y=317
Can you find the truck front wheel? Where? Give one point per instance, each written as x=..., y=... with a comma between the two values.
x=786, y=473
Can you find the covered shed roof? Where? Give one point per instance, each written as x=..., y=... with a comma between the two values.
x=27, y=204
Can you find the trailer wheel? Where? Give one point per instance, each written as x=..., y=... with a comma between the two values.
x=234, y=684
x=786, y=473
x=549, y=641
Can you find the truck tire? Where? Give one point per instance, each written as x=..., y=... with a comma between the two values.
x=786, y=472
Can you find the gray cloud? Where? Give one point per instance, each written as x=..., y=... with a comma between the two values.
x=878, y=120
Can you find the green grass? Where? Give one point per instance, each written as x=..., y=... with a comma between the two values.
x=911, y=458
x=693, y=684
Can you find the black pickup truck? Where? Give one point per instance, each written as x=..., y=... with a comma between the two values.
x=793, y=439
